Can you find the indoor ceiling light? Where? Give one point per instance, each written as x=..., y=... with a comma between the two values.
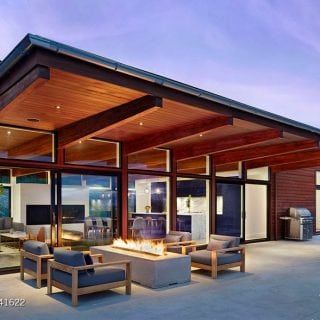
x=80, y=141
x=201, y=134
x=9, y=132
x=58, y=107
x=140, y=123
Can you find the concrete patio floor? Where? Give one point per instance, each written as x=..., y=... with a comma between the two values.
x=282, y=282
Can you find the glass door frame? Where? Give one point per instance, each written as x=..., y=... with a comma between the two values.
x=243, y=181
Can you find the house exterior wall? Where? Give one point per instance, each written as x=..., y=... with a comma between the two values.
x=291, y=189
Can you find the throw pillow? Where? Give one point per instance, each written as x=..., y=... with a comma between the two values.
x=171, y=238
x=217, y=245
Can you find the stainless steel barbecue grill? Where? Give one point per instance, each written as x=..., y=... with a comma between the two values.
x=299, y=224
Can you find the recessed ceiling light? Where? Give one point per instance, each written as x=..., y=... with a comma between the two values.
x=9, y=132
x=140, y=123
x=80, y=141
x=33, y=120
x=58, y=107
x=200, y=135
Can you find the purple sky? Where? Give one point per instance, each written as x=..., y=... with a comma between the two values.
x=264, y=53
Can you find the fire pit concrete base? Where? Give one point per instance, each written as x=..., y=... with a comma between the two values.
x=148, y=270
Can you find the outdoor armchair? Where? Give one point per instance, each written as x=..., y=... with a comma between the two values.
x=221, y=253
x=33, y=260
x=178, y=242
x=70, y=272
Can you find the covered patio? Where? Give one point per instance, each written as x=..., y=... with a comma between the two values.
x=279, y=275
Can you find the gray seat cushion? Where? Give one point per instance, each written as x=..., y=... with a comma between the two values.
x=217, y=244
x=233, y=241
x=100, y=276
x=204, y=257
x=36, y=247
x=32, y=265
x=18, y=226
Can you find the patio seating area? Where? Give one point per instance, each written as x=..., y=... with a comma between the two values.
x=278, y=275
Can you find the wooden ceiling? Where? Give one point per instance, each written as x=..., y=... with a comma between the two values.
x=80, y=97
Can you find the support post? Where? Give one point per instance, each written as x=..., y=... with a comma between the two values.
x=124, y=194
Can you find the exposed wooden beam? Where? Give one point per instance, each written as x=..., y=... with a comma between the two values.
x=284, y=158
x=106, y=120
x=296, y=165
x=25, y=86
x=178, y=133
x=263, y=151
x=227, y=143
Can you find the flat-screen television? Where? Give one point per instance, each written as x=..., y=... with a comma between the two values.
x=195, y=188
x=40, y=214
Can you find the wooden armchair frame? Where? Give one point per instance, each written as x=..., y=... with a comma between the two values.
x=214, y=267
x=39, y=259
x=183, y=245
x=74, y=290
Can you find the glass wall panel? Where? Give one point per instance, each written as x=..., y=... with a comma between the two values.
x=148, y=198
x=318, y=178
x=93, y=152
x=26, y=144
x=261, y=174
x=256, y=211
x=25, y=213
x=193, y=207
x=232, y=170
x=89, y=210
x=199, y=165
x=229, y=209
x=154, y=159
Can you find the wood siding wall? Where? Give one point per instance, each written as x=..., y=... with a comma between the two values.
x=291, y=189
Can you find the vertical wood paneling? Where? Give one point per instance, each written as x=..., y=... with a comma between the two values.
x=291, y=189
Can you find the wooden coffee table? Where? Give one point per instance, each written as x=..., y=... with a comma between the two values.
x=17, y=235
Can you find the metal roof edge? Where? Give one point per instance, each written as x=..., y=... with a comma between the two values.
x=33, y=40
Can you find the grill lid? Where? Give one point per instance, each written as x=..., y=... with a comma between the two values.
x=298, y=213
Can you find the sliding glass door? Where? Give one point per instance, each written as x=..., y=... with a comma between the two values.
x=242, y=210
x=256, y=209
x=229, y=209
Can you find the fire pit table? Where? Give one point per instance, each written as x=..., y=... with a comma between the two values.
x=149, y=270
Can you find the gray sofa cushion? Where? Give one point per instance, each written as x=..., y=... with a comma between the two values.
x=7, y=223
x=32, y=265
x=217, y=244
x=18, y=226
x=100, y=276
x=1, y=223
x=204, y=257
x=233, y=241
x=185, y=236
x=36, y=247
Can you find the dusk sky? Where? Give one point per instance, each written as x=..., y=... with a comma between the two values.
x=264, y=53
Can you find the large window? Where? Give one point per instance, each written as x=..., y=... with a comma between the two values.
x=193, y=207
x=89, y=209
x=148, y=206
x=25, y=211
x=154, y=159
x=26, y=144
x=93, y=152
x=261, y=174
